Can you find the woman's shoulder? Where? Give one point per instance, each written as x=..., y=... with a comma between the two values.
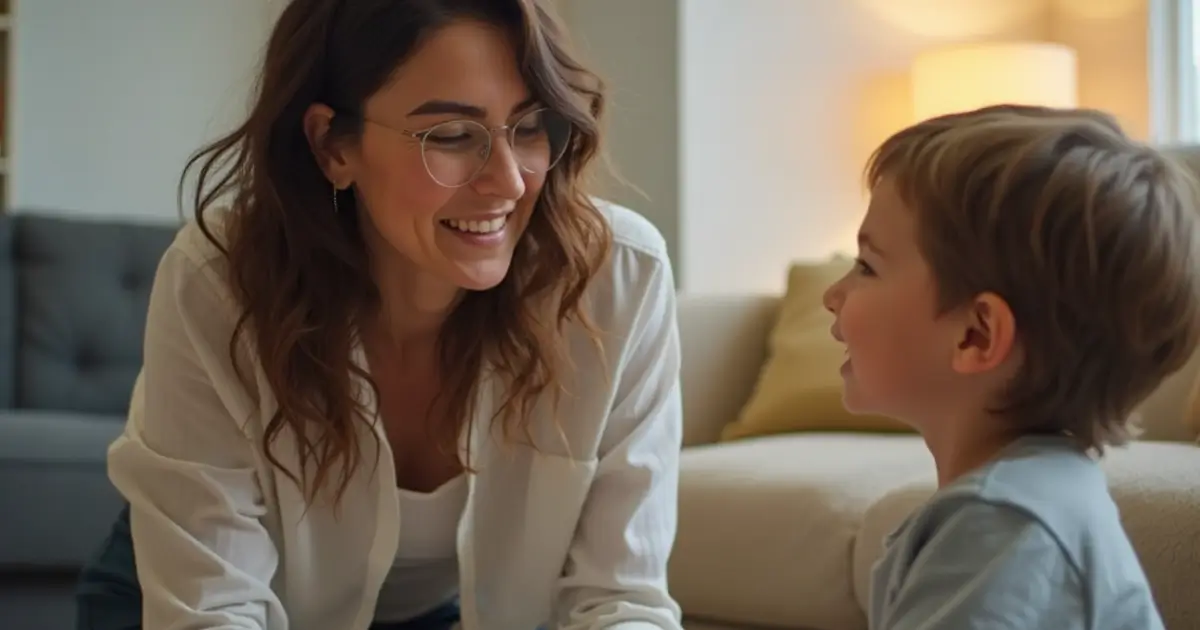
x=631, y=307
x=196, y=241
x=193, y=264
x=634, y=234
x=637, y=273
x=192, y=304
x=638, y=262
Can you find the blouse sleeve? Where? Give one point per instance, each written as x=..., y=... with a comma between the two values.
x=617, y=574
x=187, y=467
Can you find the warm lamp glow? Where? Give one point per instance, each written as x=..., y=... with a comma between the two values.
x=969, y=77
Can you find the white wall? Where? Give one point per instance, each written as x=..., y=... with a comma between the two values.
x=112, y=96
x=779, y=103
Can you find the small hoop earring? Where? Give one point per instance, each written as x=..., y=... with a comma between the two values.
x=336, y=210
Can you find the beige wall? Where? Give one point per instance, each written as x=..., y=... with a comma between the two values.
x=746, y=122
x=779, y=102
x=1112, y=40
x=782, y=102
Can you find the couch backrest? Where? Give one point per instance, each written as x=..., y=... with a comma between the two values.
x=723, y=339
x=8, y=316
x=78, y=301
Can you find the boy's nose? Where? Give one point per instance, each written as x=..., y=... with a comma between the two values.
x=832, y=298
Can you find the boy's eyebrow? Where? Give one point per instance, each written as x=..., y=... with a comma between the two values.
x=864, y=241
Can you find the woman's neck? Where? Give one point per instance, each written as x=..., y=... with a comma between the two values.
x=413, y=308
x=413, y=304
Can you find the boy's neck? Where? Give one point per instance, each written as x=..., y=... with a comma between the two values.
x=962, y=445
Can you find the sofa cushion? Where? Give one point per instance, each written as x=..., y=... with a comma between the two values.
x=1156, y=486
x=54, y=487
x=767, y=526
x=701, y=624
x=82, y=292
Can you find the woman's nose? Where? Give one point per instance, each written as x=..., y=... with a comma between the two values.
x=501, y=176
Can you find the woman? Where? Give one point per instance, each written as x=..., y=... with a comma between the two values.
x=412, y=377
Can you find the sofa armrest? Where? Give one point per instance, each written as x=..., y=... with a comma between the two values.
x=724, y=345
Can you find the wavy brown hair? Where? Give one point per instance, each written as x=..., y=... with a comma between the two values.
x=300, y=271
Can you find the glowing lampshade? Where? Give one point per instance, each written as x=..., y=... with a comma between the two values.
x=967, y=77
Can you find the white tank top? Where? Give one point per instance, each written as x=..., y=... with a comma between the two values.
x=425, y=572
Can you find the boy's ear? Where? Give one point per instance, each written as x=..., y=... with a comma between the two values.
x=987, y=337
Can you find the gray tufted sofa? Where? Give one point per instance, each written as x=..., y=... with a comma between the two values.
x=73, y=297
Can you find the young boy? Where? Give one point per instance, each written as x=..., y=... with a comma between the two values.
x=1026, y=277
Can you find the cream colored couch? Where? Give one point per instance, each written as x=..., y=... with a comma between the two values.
x=782, y=531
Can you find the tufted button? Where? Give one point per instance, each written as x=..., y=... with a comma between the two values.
x=85, y=358
x=131, y=281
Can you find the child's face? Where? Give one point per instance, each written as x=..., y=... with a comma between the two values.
x=899, y=352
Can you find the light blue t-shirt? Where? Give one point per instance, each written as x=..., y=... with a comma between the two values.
x=1031, y=541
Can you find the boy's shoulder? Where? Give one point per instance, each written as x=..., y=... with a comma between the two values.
x=1046, y=477
x=1047, y=483
x=1016, y=543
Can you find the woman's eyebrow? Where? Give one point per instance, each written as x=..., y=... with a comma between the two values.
x=441, y=107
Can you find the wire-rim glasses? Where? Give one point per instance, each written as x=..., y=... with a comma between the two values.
x=455, y=152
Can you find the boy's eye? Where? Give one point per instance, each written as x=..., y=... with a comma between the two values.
x=863, y=268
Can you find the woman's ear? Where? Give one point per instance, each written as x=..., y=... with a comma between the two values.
x=332, y=157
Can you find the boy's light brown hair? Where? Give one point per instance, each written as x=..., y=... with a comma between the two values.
x=1089, y=236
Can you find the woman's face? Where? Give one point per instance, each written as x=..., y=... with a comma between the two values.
x=461, y=234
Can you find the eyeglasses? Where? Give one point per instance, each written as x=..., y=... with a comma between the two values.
x=455, y=152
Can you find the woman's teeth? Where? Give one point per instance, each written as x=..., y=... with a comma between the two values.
x=477, y=227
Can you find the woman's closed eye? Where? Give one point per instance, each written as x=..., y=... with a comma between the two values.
x=529, y=126
x=455, y=135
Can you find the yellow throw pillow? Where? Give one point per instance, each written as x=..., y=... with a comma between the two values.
x=800, y=387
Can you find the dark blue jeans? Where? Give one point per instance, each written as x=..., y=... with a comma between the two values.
x=108, y=596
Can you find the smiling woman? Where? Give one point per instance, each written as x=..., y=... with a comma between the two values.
x=410, y=313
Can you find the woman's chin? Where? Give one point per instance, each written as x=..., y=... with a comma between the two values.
x=482, y=275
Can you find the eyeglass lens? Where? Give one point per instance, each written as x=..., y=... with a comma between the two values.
x=455, y=152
